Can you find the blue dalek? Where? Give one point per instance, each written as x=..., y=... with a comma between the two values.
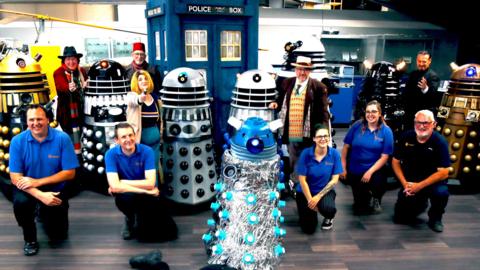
x=188, y=158
x=245, y=232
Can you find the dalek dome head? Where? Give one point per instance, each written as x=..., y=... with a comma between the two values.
x=255, y=79
x=467, y=72
x=309, y=44
x=18, y=62
x=106, y=70
x=184, y=78
x=254, y=135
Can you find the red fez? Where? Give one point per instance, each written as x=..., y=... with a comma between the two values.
x=138, y=46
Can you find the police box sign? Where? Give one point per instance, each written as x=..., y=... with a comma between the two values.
x=214, y=10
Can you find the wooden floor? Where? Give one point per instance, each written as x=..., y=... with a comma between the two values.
x=355, y=242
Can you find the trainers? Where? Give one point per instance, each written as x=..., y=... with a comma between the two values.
x=128, y=229
x=30, y=248
x=376, y=207
x=327, y=223
x=436, y=226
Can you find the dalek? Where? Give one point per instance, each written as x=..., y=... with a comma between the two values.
x=104, y=107
x=21, y=84
x=254, y=91
x=382, y=83
x=245, y=231
x=188, y=155
x=458, y=121
x=310, y=47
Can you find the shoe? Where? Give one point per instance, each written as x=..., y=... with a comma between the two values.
x=376, y=207
x=30, y=248
x=436, y=226
x=128, y=229
x=327, y=224
x=152, y=260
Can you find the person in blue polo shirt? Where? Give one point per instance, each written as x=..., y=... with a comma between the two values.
x=366, y=149
x=132, y=181
x=318, y=169
x=41, y=160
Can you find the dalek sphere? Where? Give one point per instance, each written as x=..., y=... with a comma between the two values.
x=254, y=91
x=458, y=121
x=188, y=158
x=21, y=84
x=382, y=83
x=104, y=107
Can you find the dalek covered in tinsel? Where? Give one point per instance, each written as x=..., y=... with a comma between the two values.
x=21, y=84
x=188, y=157
x=254, y=91
x=382, y=83
x=459, y=122
x=245, y=231
x=104, y=107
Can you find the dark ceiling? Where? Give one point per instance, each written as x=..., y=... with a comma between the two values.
x=455, y=16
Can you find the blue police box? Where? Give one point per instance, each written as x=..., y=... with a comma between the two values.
x=218, y=38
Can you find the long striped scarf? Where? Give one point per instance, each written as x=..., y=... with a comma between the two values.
x=74, y=116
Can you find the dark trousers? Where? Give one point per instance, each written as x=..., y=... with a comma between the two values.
x=54, y=218
x=409, y=207
x=308, y=218
x=154, y=224
x=363, y=192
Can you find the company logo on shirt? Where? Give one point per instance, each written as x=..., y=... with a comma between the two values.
x=53, y=156
x=328, y=163
x=409, y=144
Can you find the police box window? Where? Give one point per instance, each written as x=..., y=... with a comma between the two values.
x=196, y=45
x=231, y=48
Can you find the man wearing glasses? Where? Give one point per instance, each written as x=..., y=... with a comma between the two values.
x=139, y=63
x=420, y=162
x=302, y=103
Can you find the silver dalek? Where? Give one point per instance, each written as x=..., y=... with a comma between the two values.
x=21, y=84
x=104, y=107
x=254, y=91
x=188, y=158
x=458, y=121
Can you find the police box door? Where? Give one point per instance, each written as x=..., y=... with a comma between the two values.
x=217, y=50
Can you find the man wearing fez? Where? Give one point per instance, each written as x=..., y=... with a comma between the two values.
x=139, y=63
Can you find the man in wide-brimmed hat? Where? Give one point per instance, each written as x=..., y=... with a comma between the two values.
x=69, y=82
x=302, y=104
x=139, y=62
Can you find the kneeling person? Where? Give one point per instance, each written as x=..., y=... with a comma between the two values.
x=131, y=177
x=42, y=159
x=421, y=162
x=318, y=169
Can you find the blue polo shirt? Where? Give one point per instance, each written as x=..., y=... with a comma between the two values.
x=131, y=167
x=318, y=173
x=41, y=159
x=366, y=146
